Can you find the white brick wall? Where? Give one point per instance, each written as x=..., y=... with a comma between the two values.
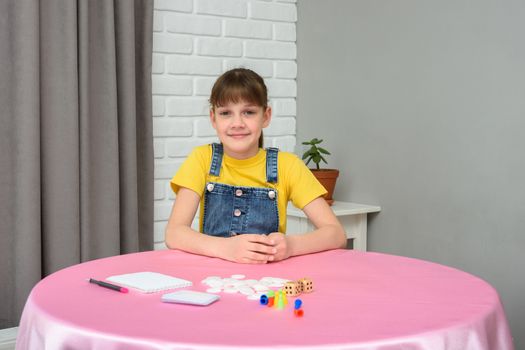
x=194, y=41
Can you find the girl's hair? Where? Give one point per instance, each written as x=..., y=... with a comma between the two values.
x=240, y=84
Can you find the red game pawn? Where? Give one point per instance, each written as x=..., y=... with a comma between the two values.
x=298, y=312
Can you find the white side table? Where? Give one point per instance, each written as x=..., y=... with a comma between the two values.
x=351, y=215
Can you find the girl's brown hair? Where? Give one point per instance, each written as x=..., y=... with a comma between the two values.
x=240, y=84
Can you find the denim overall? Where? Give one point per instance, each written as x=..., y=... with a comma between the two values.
x=231, y=210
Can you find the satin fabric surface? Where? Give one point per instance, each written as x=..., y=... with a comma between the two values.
x=361, y=300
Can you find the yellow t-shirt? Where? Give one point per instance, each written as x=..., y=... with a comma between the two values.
x=295, y=182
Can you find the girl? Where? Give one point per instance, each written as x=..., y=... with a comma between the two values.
x=243, y=190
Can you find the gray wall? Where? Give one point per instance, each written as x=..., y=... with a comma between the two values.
x=422, y=104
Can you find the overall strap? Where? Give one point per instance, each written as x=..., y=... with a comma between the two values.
x=216, y=159
x=271, y=164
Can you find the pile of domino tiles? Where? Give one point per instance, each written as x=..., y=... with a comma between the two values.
x=251, y=288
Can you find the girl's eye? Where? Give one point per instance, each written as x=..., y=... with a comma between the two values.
x=224, y=113
x=250, y=112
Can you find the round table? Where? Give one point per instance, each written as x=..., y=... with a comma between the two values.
x=361, y=300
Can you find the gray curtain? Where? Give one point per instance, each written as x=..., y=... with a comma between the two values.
x=76, y=148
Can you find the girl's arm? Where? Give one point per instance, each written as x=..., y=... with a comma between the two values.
x=250, y=248
x=328, y=235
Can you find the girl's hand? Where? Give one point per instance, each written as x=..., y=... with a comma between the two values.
x=249, y=249
x=282, y=246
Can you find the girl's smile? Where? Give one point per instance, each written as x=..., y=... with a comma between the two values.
x=238, y=136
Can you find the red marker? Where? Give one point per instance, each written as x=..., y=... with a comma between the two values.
x=109, y=285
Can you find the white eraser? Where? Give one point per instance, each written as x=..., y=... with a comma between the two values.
x=190, y=297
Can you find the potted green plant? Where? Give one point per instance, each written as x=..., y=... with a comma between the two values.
x=327, y=177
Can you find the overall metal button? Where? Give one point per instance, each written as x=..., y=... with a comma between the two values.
x=237, y=212
x=210, y=187
x=271, y=194
x=238, y=192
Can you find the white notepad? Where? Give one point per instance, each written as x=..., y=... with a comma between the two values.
x=149, y=282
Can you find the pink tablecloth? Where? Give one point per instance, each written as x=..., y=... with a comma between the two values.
x=361, y=301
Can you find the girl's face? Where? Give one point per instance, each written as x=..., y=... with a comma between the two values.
x=239, y=126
